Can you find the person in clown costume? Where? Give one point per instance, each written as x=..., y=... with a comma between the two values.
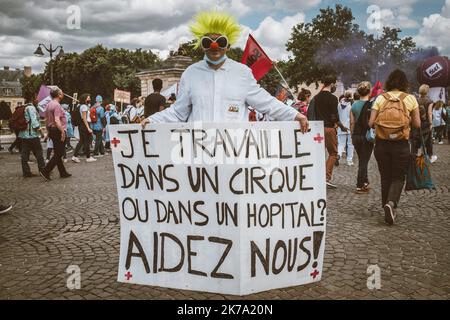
x=219, y=89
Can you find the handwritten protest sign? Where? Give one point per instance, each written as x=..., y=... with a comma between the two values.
x=231, y=208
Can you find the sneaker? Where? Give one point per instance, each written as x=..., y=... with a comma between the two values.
x=331, y=186
x=65, y=176
x=45, y=176
x=350, y=164
x=433, y=158
x=65, y=160
x=441, y=143
x=47, y=161
x=30, y=162
x=389, y=213
x=4, y=209
x=91, y=159
x=361, y=191
x=98, y=155
x=75, y=159
x=366, y=186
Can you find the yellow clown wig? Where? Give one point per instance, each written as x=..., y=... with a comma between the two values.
x=214, y=22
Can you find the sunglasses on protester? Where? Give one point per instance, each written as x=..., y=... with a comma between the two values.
x=219, y=43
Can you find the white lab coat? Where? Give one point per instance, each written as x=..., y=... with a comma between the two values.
x=222, y=95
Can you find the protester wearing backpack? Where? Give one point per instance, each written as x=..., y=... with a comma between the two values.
x=361, y=136
x=16, y=124
x=424, y=133
x=31, y=141
x=84, y=130
x=98, y=123
x=392, y=114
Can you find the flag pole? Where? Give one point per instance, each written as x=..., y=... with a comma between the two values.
x=284, y=80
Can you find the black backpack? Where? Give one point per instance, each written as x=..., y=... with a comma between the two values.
x=76, y=116
x=362, y=124
x=113, y=120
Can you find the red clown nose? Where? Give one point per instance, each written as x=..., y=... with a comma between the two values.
x=214, y=45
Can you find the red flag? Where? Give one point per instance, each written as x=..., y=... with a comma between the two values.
x=377, y=90
x=256, y=59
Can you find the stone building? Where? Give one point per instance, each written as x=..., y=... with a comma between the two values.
x=169, y=71
x=10, y=87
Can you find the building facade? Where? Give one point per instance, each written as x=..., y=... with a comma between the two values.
x=169, y=71
x=10, y=86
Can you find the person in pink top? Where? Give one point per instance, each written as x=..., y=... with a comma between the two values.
x=55, y=117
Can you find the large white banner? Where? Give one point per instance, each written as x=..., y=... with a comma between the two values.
x=232, y=208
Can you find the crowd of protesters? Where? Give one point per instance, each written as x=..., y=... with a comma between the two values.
x=356, y=122
x=349, y=123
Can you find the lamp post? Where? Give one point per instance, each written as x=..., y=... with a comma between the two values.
x=50, y=50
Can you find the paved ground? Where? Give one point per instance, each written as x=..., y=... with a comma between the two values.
x=75, y=221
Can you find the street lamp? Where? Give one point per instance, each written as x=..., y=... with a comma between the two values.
x=51, y=50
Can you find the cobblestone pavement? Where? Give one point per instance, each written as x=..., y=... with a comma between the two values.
x=76, y=222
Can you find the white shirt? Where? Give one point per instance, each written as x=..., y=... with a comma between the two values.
x=130, y=111
x=85, y=108
x=221, y=95
x=437, y=117
x=344, y=115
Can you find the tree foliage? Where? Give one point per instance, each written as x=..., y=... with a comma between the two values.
x=333, y=43
x=99, y=70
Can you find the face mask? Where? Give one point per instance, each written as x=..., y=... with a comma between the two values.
x=215, y=62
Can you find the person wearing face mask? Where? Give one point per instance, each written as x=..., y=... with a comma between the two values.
x=85, y=131
x=219, y=89
x=326, y=110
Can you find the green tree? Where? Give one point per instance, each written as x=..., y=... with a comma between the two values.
x=30, y=86
x=99, y=70
x=333, y=43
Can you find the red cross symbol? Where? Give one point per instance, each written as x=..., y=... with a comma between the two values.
x=128, y=275
x=115, y=142
x=314, y=274
x=318, y=138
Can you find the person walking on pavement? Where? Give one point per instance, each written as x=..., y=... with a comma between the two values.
x=56, y=126
x=31, y=141
x=345, y=138
x=85, y=131
x=97, y=126
x=359, y=125
x=326, y=110
x=392, y=115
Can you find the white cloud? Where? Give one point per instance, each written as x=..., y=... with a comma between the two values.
x=398, y=18
x=149, y=24
x=435, y=29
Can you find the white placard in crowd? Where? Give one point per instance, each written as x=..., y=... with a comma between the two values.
x=231, y=208
x=122, y=96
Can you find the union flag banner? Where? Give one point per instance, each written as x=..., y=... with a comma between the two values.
x=256, y=59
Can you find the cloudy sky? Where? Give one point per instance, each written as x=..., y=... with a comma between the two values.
x=162, y=25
